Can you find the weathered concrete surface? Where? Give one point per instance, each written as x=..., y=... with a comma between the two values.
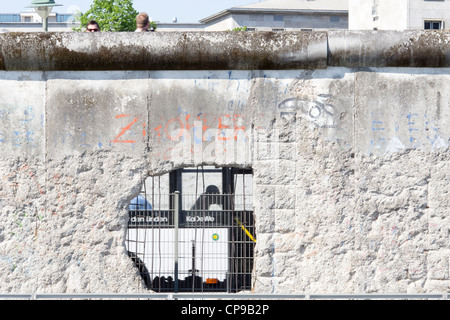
x=351, y=172
x=162, y=51
x=223, y=50
x=417, y=49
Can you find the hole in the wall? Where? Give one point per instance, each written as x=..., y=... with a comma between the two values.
x=192, y=230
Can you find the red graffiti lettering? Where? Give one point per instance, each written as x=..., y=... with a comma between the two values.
x=180, y=132
x=116, y=140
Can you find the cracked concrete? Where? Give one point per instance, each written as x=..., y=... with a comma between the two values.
x=351, y=169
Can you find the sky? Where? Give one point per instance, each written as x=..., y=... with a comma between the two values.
x=159, y=10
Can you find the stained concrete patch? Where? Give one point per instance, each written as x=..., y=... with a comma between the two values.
x=22, y=114
x=409, y=114
x=97, y=113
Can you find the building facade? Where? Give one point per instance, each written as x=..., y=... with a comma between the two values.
x=30, y=21
x=282, y=15
x=398, y=15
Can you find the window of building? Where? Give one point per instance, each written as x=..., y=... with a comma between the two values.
x=278, y=18
x=192, y=230
x=334, y=19
x=27, y=19
x=277, y=29
x=256, y=17
x=433, y=25
x=375, y=7
x=9, y=17
x=63, y=17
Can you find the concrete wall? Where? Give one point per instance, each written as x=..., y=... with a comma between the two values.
x=347, y=135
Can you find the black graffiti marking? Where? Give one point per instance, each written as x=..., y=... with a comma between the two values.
x=313, y=109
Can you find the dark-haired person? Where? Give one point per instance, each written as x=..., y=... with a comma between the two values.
x=92, y=26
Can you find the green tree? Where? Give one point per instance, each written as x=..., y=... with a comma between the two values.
x=244, y=28
x=111, y=15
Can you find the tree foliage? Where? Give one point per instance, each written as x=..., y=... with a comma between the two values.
x=111, y=15
x=244, y=28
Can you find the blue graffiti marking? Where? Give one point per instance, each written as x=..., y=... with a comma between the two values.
x=374, y=126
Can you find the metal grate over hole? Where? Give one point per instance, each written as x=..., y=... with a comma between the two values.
x=183, y=240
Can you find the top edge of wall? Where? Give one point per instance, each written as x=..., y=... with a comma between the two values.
x=223, y=50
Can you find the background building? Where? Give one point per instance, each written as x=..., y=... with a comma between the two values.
x=282, y=15
x=272, y=15
x=398, y=15
x=30, y=21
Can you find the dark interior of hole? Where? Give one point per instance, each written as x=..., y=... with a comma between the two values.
x=236, y=226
